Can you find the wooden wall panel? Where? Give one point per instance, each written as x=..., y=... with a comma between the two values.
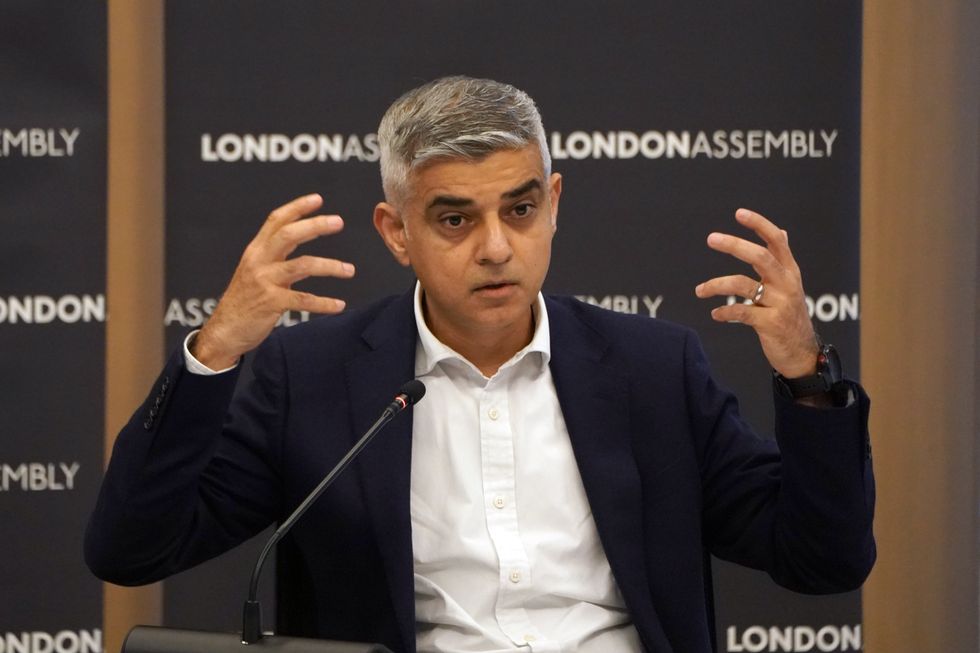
x=919, y=319
x=134, y=351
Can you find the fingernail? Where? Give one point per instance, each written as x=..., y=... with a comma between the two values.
x=348, y=268
x=742, y=214
x=312, y=197
x=341, y=304
x=714, y=239
x=334, y=221
x=697, y=288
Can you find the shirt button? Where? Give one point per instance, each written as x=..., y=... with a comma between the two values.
x=515, y=576
x=499, y=502
x=529, y=638
x=493, y=413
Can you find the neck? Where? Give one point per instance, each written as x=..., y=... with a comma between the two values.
x=486, y=349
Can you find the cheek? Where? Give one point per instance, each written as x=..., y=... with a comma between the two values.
x=541, y=251
x=441, y=267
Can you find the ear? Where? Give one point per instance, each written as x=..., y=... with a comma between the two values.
x=390, y=226
x=554, y=193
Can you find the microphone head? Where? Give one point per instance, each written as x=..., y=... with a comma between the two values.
x=412, y=391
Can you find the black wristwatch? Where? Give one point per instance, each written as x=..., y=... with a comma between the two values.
x=829, y=378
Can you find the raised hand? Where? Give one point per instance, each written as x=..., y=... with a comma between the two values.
x=777, y=309
x=261, y=288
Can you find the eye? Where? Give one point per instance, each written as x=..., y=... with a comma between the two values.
x=524, y=210
x=453, y=221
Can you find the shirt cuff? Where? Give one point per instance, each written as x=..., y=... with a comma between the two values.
x=195, y=366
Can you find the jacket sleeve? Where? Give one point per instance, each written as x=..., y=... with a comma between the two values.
x=191, y=475
x=799, y=507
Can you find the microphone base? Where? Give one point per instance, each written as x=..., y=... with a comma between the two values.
x=152, y=639
x=252, y=622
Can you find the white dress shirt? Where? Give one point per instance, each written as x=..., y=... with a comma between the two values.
x=507, y=556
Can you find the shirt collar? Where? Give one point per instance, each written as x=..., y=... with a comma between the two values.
x=431, y=351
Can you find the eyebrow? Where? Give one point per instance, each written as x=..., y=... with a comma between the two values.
x=455, y=201
x=527, y=186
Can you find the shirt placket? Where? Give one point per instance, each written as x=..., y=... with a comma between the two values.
x=500, y=505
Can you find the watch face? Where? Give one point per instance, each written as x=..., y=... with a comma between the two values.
x=829, y=365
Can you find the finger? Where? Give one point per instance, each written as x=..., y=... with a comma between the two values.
x=287, y=238
x=304, y=301
x=736, y=284
x=739, y=312
x=760, y=258
x=775, y=238
x=289, y=272
x=290, y=212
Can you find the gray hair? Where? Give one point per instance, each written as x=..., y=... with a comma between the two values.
x=455, y=118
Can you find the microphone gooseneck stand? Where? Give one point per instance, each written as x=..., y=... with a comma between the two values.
x=407, y=395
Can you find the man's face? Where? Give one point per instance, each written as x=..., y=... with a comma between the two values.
x=478, y=236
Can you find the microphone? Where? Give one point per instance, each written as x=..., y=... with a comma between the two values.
x=407, y=395
x=148, y=639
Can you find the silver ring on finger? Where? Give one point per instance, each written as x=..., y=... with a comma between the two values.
x=760, y=290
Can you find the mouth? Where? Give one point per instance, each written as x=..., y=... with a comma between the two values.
x=495, y=287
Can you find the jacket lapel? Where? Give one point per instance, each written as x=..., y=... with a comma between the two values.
x=385, y=466
x=594, y=401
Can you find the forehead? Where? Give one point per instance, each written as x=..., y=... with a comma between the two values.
x=481, y=180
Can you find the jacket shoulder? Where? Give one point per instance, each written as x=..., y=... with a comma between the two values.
x=621, y=331
x=345, y=331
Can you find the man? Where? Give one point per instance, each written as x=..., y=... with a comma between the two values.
x=570, y=469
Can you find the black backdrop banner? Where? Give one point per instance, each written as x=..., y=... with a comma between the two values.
x=52, y=315
x=663, y=117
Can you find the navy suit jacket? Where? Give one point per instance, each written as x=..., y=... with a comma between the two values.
x=671, y=471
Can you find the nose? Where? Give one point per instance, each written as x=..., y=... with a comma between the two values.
x=494, y=248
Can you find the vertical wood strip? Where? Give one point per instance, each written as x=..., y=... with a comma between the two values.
x=919, y=197
x=134, y=351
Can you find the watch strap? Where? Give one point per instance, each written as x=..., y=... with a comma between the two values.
x=829, y=373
